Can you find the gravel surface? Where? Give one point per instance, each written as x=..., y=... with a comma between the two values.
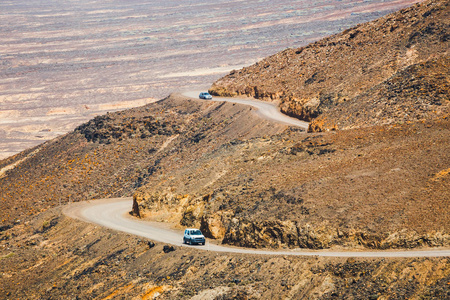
x=113, y=213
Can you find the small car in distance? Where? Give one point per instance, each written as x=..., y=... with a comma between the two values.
x=193, y=236
x=205, y=95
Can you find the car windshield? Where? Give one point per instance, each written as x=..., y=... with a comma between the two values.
x=196, y=232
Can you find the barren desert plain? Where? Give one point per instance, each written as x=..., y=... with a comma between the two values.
x=63, y=62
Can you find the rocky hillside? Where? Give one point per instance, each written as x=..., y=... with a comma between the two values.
x=249, y=182
x=55, y=257
x=341, y=75
x=383, y=183
x=246, y=182
x=378, y=187
x=419, y=92
x=387, y=82
x=114, y=154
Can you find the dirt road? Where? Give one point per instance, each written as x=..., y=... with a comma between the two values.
x=266, y=110
x=113, y=213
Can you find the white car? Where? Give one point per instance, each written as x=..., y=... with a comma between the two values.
x=205, y=95
x=193, y=236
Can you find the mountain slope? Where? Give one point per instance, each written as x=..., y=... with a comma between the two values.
x=114, y=154
x=324, y=76
x=248, y=182
x=379, y=187
x=418, y=92
x=55, y=257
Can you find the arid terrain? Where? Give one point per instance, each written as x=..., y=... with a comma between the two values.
x=383, y=184
x=64, y=62
x=197, y=160
x=54, y=257
x=371, y=174
x=394, y=69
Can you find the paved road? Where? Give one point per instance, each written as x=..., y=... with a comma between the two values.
x=113, y=213
x=266, y=110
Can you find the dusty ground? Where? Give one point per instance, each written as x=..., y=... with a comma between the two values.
x=64, y=62
x=242, y=179
x=246, y=180
x=53, y=257
x=114, y=154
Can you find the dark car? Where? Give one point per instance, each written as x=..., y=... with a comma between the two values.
x=193, y=236
x=205, y=95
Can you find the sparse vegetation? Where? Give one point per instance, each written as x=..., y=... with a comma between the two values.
x=392, y=70
x=378, y=181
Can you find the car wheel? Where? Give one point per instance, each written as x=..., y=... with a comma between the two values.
x=189, y=242
x=203, y=243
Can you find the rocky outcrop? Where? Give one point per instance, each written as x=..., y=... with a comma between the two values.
x=105, y=129
x=186, y=210
x=270, y=234
x=281, y=234
x=308, y=82
x=190, y=211
x=135, y=211
x=214, y=225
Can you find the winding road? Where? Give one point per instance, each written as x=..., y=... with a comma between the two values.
x=114, y=213
x=265, y=110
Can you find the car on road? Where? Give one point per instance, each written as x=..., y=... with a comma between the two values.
x=205, y=95
x=193, y=236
